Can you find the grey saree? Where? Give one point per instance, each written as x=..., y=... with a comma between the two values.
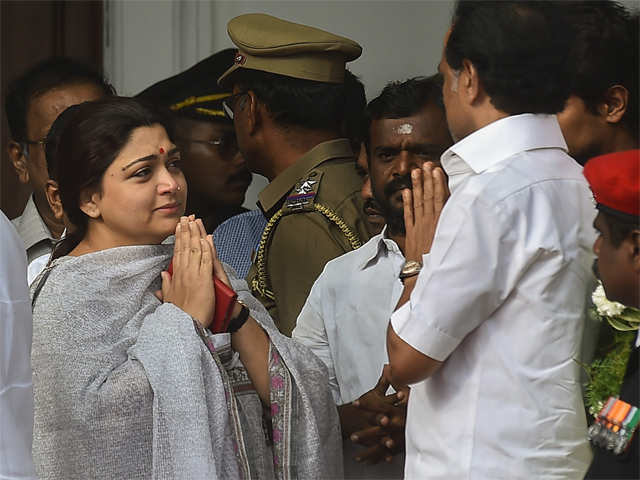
x=126, y=388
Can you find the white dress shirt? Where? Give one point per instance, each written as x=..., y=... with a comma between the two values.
x=16, y=390
x=500, y=301
x=344, y=322
x=35, y=234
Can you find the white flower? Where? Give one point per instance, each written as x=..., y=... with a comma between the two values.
x=605, y=307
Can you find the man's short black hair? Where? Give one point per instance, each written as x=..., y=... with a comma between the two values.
x=353, y=125
x=620, y=228
x=294, y=102
x=604, y=53
x=519, y=50
x=45, y=76
x=404, y=99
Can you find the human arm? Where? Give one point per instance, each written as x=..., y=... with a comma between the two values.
x=476, y=258
x=422, y=208
x=191, y=289
x=250, y=341
x=381, y=419
x=310, y=331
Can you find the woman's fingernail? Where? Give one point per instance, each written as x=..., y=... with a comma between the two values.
x=389, y=443
x=354, y=437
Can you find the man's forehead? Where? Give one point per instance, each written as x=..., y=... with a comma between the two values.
x=420, y=122
x=43, y=109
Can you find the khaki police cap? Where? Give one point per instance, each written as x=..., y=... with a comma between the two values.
x=273, y=45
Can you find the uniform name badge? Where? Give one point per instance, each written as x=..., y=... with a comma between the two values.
x=615, y=426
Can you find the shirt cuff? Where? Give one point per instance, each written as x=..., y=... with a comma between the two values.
x=421, y=335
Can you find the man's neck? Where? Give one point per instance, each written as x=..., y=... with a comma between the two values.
x=622, y=140
x=53, y=224
x=283, y=148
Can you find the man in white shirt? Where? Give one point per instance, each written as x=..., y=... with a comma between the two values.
x=16, y=390
x=34, y=100
x=488, y=332
x=345, y=316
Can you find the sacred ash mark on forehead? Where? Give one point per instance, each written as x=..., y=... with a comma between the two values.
x=405, y=129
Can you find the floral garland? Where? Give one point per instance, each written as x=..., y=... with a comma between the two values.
x=607, y=371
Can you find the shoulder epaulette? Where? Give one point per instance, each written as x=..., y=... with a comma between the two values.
x=303, y=195
x=302, y=198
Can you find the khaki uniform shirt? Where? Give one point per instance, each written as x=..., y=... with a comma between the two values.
x=296, y=245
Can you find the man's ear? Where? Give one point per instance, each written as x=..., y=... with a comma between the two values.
x=90, y=203
x=616, y=101
x=53, y=197
x=254, y=111
x=469, y=82
x=18, y=160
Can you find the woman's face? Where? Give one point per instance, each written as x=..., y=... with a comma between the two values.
x=143, y=191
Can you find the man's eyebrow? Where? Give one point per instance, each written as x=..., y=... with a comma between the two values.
x=386, y=148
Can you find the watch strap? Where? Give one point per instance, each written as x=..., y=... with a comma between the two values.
x=239, y=320
x=410, y=268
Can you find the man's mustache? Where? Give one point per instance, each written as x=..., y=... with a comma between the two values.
x=398, y=183
x=371, y=207
x=595, y=269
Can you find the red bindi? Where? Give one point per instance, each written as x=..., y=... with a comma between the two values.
x=161, y=150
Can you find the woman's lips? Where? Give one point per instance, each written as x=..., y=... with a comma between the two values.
x=169, y=208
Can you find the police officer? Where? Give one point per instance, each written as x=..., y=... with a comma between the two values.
x=216, y=173
x=290, y=107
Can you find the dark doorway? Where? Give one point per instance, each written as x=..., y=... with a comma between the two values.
x=32, y=31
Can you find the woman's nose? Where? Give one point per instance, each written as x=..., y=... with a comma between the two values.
x=167, y=182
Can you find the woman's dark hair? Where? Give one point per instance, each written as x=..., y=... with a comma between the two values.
x=93, y=135
x=294, y=102
x=519, y=49
x=53, y=138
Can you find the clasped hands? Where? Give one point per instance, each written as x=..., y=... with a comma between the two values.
x=378, y=421
x=422, y=207
x=195, y=261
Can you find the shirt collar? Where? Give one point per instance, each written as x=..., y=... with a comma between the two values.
x=379, y=245
x=283, y=183
x=31, y=227
x=500, y=140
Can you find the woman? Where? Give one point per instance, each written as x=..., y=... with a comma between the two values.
x=124, y=385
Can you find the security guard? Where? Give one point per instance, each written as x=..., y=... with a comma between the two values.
x=290, y=105
x=216, y=173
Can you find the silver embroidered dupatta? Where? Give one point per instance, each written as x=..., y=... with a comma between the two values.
x=125, y=387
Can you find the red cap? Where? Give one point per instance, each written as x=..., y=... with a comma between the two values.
x=615, y=182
